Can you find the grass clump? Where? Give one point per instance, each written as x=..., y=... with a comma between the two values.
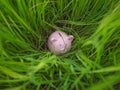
x=93, y=62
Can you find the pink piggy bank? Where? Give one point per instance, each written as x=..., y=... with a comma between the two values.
x=59, y=42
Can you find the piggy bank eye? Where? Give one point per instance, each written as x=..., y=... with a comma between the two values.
x=60, y=45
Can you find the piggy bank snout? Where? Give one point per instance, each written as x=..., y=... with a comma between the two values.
x=70, y=37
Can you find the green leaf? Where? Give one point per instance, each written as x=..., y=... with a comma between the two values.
x=12, y=73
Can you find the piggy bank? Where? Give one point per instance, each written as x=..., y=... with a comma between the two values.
x=59, y=42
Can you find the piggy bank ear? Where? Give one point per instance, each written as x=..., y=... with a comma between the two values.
x=70, y=37
x=53, y=40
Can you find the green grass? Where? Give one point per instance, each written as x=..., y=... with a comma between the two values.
x=93, y=62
